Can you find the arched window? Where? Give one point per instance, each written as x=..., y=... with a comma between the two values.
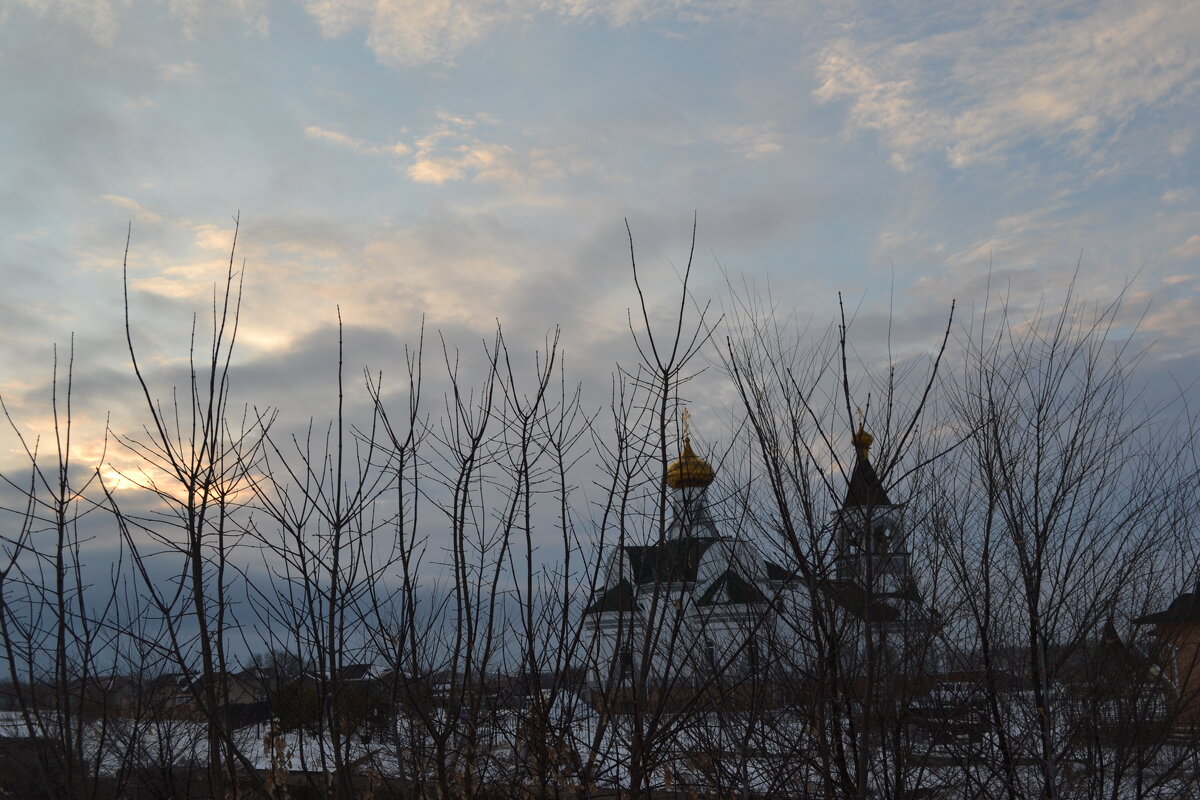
x=882, y=539
x=625, y=660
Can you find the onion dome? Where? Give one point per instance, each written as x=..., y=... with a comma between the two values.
x=862, y=442
x=689, y=470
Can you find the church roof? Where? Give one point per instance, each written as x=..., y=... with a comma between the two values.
x=858, y=601
x=780, y=574
x=613, y=598
x=865, y=490
x=1185, y=608
x=673, y=561
x=873, y=608
x=731, y=589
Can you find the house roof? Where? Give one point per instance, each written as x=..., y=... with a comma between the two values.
x=1184, y=608
x=1107, y=666
x=356, y=672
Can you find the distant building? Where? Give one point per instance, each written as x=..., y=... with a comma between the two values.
x=703, y=607
x=872, y=578
x=1178, y=632
x=687, y=610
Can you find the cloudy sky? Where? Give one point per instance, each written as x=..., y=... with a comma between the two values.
x=475, y=160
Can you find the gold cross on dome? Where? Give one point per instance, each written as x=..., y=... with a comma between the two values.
x=686, y=416
x=860, y=417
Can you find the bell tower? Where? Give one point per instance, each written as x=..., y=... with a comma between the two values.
x=872, y=547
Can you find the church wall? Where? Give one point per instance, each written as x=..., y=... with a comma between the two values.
x=673, y=642
x=735, y=640
x=611, y=638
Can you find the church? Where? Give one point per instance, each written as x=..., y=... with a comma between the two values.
x=703, y=607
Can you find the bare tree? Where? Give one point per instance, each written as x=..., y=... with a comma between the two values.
x=56, y=629
x=197, y=465
x=1066, y=506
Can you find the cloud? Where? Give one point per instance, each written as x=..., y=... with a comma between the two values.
x=102, y=18
x=128, y=203
x=909, y=248
x=619, y=13
x=1189, y=248
x=1070, y=76
x=404, y=33
x=484, y=162
x=749, y=141
x=1028, y=240
x=436, y=171
x=353, y=144
x=415, y=32
x=179, y=71
x=451, y=152
x=97, y=17
x=1180, y=143
x=1174, y=196
x=191, y=281
x=212, y=237
x=198, y=14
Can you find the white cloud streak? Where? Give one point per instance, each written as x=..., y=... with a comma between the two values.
x=353, y=144
x=415, y=32
x=133, y=206
x=448, y=153
x=1019, y=73
x=102, y=18
x=750, y=141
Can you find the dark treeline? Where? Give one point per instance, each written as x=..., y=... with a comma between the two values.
x=967, y=563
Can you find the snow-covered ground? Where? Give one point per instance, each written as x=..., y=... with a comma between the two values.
x=773, y=754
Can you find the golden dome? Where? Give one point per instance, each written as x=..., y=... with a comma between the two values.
x=862, y=442
x=689, y=470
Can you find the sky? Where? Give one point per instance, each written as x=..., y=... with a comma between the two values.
x=461, y=162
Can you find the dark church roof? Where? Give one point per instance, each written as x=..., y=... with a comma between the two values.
x=1185, y=608
x=615, y=598
x=780, y=574
x=673, y=561
x=874, y=607
x=860, y=603
x=731, y=589
x=865, y=490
